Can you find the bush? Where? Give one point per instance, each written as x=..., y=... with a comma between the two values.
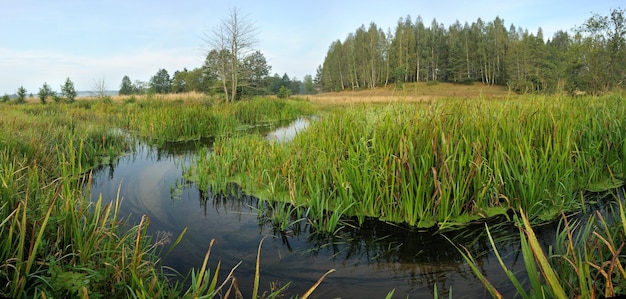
x=283, y=92
x=467, y=81
x=21, y=95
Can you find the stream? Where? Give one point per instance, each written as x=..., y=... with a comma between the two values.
x=369, y=261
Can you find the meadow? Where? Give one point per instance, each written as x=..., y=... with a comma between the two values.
x=434, y=162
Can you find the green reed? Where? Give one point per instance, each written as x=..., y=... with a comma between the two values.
x=161, y=120
x=55, y=242
x=59, y=243
x=437, y=163
x=586, y=260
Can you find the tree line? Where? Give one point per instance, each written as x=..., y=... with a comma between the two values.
x=204, y=80
x=68, y=94
x=591, y=59
x=233, y=67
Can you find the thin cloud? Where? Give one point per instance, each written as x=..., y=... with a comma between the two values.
x=53, y=67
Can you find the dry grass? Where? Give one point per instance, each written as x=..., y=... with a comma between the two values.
x=165, y=97
x=412, y=92
x=121, y=98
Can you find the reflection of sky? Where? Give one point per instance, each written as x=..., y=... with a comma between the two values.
x=370, y=261
x=287, y=133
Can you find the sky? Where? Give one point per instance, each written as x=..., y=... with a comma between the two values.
x=92, y=42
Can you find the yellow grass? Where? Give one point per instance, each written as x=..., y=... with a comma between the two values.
x=412, y=92
x=120, y=98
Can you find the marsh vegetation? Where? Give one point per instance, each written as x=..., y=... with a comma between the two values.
x=434, y=166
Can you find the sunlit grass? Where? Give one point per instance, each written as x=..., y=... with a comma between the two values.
x=434, y=163
x=439, y=163
x=59, y=243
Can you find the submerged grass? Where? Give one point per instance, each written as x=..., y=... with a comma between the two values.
x=438, y=163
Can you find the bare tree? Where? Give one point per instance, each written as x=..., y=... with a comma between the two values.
x=99, y=87
x=228, y=44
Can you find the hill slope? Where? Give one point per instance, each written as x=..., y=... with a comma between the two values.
x=412, y=92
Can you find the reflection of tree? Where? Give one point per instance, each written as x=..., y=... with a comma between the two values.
x=230, y=199
x=420, y=259
x=424, y=258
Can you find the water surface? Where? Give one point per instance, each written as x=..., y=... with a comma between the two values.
x=369, y=262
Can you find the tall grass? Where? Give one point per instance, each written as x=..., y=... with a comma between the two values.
x=586, y=260
x=55, y=241
x=435, y=164
x=161, y=121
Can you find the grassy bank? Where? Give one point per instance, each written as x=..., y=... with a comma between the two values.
x=59, y=243
x=55, y=242
x=443, y=163
x=164, y=120
x=440, y=163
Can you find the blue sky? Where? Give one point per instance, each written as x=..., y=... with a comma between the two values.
x=88, y=41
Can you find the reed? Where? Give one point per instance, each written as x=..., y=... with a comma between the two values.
x=59, y=243
x=183, y=120
x=585, y=261
x=438, y=163
x=55, y=242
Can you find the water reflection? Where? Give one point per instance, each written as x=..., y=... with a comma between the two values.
x=370, y=260
x=287, y=133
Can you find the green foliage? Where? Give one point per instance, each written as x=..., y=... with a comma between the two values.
x=398, y=77
x=5, y=98
x=446, y=163
x=68, y=91
x=255, y=70
x=21, y=95
x=178, y=81
x=130, y=100
x=603, y=50
x=44, y=92
x=57, y=243
x=229, y=58
x=592, y=60
x=126, y=88
x=585, y=260
x=308, y=85
x=283, y=92
x=160, y=82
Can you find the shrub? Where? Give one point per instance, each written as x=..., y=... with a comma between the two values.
x=21, y=95
x=283, y=92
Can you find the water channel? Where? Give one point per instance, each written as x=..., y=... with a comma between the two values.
x=369, y=261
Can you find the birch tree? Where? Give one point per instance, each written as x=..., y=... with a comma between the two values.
x=229, y=43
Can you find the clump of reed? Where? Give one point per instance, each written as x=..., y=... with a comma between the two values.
x=163, y=121
x=586, y=260
x=58, y=243
x=55, y=242
x=439, y=163
x=51, y=136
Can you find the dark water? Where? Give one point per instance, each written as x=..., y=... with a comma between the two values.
x=369, y=262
